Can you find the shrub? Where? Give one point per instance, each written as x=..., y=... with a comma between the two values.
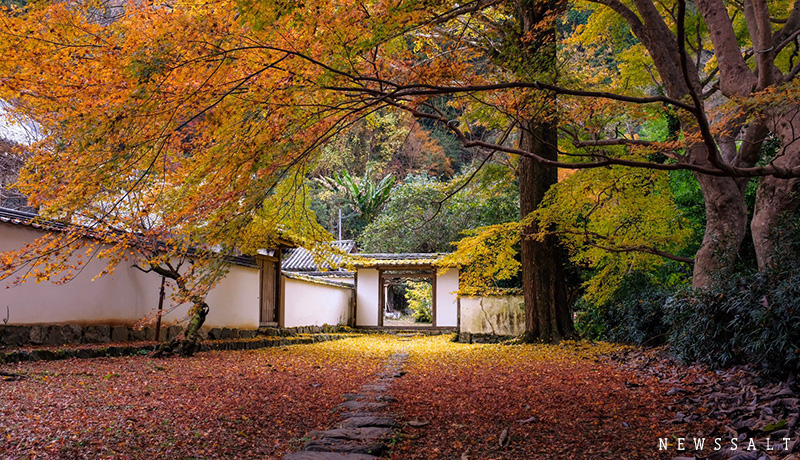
x=633, y=314
x=752, y=320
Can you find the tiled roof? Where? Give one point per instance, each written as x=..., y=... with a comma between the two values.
x=302, y=260
x=27, y=219
x=402, y=259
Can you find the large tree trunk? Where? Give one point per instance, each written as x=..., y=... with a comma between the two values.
x=777, y=199
x=547, y=315
x=726, y=225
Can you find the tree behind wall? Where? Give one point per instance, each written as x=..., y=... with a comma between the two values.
x=11, y=161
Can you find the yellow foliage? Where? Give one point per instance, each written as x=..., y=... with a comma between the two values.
x=487, y=255
x=434, y=348
x=609, y=217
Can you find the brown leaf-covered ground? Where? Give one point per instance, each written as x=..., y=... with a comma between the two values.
x=557, y=402
x=235, y=404
x=259, y=404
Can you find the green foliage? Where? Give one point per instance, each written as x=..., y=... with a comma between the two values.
x=419, y=295
x=634, y=313
x=413, y=221
x=363, y=196
x=749, y=319
x=13, y=4
x=752, y=319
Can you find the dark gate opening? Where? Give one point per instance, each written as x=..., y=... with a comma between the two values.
x=407, y=298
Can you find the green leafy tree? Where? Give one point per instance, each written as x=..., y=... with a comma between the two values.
x=427, y=215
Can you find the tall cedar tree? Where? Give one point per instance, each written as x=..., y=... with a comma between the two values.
x=547, y=314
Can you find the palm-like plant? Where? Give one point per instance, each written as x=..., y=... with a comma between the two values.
x=364, y=196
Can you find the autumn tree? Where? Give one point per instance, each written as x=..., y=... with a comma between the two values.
x=135, y=167
x=206, y=122
x=547, y=314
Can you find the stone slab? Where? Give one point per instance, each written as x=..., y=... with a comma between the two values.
x=359, y=422
x=376, y=387
x=361, y=405
x=310, y=455
x=354, y=434
x=345, y=447
x=360, y=413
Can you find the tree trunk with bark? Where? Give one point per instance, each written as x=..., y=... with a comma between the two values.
x=726, y=226
x=188, y=342
x=777, y=199
x=548, y=317
x=547, y=314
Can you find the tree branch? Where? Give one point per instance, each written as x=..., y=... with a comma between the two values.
x=644, y=249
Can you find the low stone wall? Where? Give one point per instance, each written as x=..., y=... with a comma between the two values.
x=466, y=337
x=490, y=318
x=55, y=335
x=13, y=336
x=99, y=351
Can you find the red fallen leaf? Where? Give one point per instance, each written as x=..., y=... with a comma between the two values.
x=215, y=404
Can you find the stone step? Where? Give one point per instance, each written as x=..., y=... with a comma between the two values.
x=361, y=413
x=312, y=455
x=345, y=447
x=360, y=422
x=354, y=434
x=361, y=405
x=360, y=430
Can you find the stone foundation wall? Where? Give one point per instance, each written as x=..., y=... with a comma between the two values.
x=467, y=337
x=13, y=336
x=101, y=351
x=54, y=335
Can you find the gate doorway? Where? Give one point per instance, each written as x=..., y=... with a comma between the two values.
x=407, y=298
x=269, y=295
x=387, y=285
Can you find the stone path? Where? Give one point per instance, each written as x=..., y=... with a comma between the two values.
x=365, y=425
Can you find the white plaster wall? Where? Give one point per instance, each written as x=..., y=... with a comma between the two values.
x=493, y=315
x=313, y=304
x=367, y=297
x=121, y=298
x=447, y=299
x=234, y=301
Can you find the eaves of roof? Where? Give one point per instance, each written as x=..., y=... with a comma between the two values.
x=316, y=280
x=302, y=260
x=396, y=260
